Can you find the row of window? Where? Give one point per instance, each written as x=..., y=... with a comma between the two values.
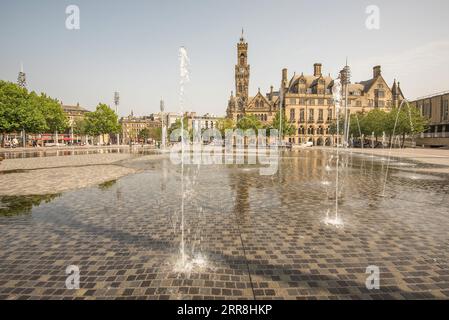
x=426, y=110
x=303, y=90
x=261, y=117
x=321, y=102
x=313, y=131
x=311, y=115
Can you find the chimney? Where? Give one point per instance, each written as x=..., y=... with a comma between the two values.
x=317, y=69
x=377, y=71
x=284, y=75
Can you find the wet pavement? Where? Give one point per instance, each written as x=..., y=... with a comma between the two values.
x=247, y=236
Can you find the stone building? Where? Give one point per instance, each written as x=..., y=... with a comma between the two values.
x=262, y=106
x=307, y=100
x=206, y=121
x=132, y=125
x=436, y=109
x=310, y=107
x=74, y=113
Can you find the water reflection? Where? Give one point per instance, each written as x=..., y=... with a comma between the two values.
x=33, y=153
x=18, y=205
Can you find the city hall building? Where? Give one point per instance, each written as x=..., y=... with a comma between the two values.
x=307, y=99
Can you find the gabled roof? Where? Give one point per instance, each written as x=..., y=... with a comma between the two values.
x=76, y=108
x=310, y=80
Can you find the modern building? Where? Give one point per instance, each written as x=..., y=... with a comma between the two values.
x=307, y=100
x=436, y=108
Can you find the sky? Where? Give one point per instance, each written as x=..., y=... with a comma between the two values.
x=132, y=47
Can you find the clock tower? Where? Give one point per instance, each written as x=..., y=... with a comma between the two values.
x=242, y=72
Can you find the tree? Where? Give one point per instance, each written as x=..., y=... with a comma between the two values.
x=13, y=107
x=249, y=122
x=102, y=121
x=225, y=124
x=374, y=122
x=34, y=120
x=55, y=118
x=288, y=128
x=144, y=135
x=155, y=133
x=177, y=125
x=333, y=126
x=80, y=127
x=404, y=121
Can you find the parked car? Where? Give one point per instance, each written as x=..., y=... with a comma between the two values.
x=307, y=144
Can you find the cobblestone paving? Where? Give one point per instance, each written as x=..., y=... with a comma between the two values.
x=251, y=236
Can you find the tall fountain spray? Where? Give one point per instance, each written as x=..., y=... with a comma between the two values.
x=393, y=134
x=164, y=125
x=336, y=92
x=184, y=78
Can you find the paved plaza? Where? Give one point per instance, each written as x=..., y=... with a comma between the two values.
x=247, y=236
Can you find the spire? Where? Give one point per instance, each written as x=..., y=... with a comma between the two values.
x=242, y=39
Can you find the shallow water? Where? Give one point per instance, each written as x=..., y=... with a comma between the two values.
x=258, y=236
x=36, y=153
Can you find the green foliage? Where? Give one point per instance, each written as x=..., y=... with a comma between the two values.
x=80, y=126
x=144, y=134
x=20, y=110
x=52, y=111
x=408, y=120
x=288, y=128
x=225, y=124
x=404, y=121
x=155, y=133
x=102, y=121
x=13, y=107
x=177, y=125
x=374, y=122
x=249, y=122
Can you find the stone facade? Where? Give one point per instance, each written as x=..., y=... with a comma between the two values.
x=307, y=99
x=264, y=107
x=132, y=125
x=74, y=113
x=310, y=107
